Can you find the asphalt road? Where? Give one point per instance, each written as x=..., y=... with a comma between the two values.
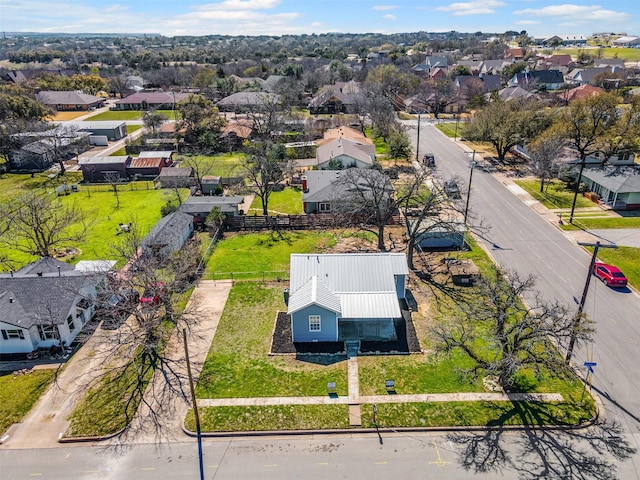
x=364, y=457
x=521, y=239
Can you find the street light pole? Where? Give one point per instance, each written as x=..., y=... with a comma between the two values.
x=418, y=141
x=472, y=165
x=455, y=135
x=575, y=194
x=576, y=321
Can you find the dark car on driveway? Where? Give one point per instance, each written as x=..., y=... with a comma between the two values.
x=117, y=308
x=609, y=274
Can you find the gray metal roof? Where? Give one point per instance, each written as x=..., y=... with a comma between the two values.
x=114, y=160
x=363, y=282
x=343, y=146
x=617, y=180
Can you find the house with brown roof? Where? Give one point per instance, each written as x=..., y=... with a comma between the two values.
x=150, y=101
x=514, y=53
x=69, y=101
x=583, y=91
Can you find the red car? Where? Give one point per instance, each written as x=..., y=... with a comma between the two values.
x=610, y=275
x=151, y=295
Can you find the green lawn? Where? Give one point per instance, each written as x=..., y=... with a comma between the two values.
x=626, y=259
x=238, y=364
x=117, y=115
x=557, y=195
x=19, y=393
x=12, y=185
x=626, y=54
x=139, y=206
x=286, y=202
x=223, y=165
x=584, y=221
x=250, y=255
x=133, y=128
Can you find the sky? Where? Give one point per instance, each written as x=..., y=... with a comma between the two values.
x=280, y=17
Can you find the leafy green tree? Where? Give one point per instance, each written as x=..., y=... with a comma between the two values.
x=507, y=124
x=399, y=145
x=153, y=120
x=201, y=121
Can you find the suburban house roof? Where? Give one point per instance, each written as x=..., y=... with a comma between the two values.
x=40, y=293
x=514, y=93
x=115, y=160
x=155, y=154
x=153, y=98
x=537, y=77
x=175, y=172
x=617, y=180
x=168, y=229
x=345, y=132
x=365, y=153
x=96, y=125
x=583, y=91
x=324, y=185
x=587, y=75
x=146, y=162
x=200, y=204
x=248, y=98
x=51, y=97
x=357, y=285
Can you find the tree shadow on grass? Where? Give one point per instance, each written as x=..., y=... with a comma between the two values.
x=539, y=452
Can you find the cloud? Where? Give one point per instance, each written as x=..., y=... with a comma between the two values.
x=472, y=8
x=384, y=8
x=389, y=17
x=241, y=5
x=583, y=13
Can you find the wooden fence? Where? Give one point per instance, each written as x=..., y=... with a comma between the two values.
x=299, y=222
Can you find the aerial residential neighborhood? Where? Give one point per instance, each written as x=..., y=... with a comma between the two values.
x=347, y=236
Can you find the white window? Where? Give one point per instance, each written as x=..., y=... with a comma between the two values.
x=314, y=323
x=324, y=207
x=47, y=332
x=10, y=334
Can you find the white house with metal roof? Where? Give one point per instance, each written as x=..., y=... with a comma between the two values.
x=337, y=297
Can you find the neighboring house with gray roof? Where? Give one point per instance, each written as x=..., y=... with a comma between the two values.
x=243, y=101
x=338, y=297
x=200, y=206
x=340, y=97
x=350, y=153
x=69, y=100
x=617, y=186
x=45, y=303
x=150, y=101
x=529, y=79
x=325, y=191
x=167, y=236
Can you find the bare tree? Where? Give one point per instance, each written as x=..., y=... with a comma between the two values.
x=37, y=223
x=113, y=179
x=62, y=139
x=502, y=335
x=544, y=155
x=199, y=168
x=367, y=197
x=264, y=166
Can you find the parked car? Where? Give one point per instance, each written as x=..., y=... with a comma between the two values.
x=151, y=295
x=610, y=274
x=452, y=189
x=118, y=307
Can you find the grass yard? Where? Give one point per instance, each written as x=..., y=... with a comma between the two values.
x=139, y=207
x=67, y=116
x=238, y=364
x=133, y=128
x=223, y=165
x=557, y=195
x=626, y=259
x=286, y=202
x=19, y=393
x=251, y=255
x=12, y=185
x=117, y=115
x=588, y=222
x=626, y=54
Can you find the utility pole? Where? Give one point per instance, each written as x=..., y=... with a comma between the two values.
x=418, y=141
x=576, y=321
x=473, y=166
x=575, y=195
x=195, y=405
